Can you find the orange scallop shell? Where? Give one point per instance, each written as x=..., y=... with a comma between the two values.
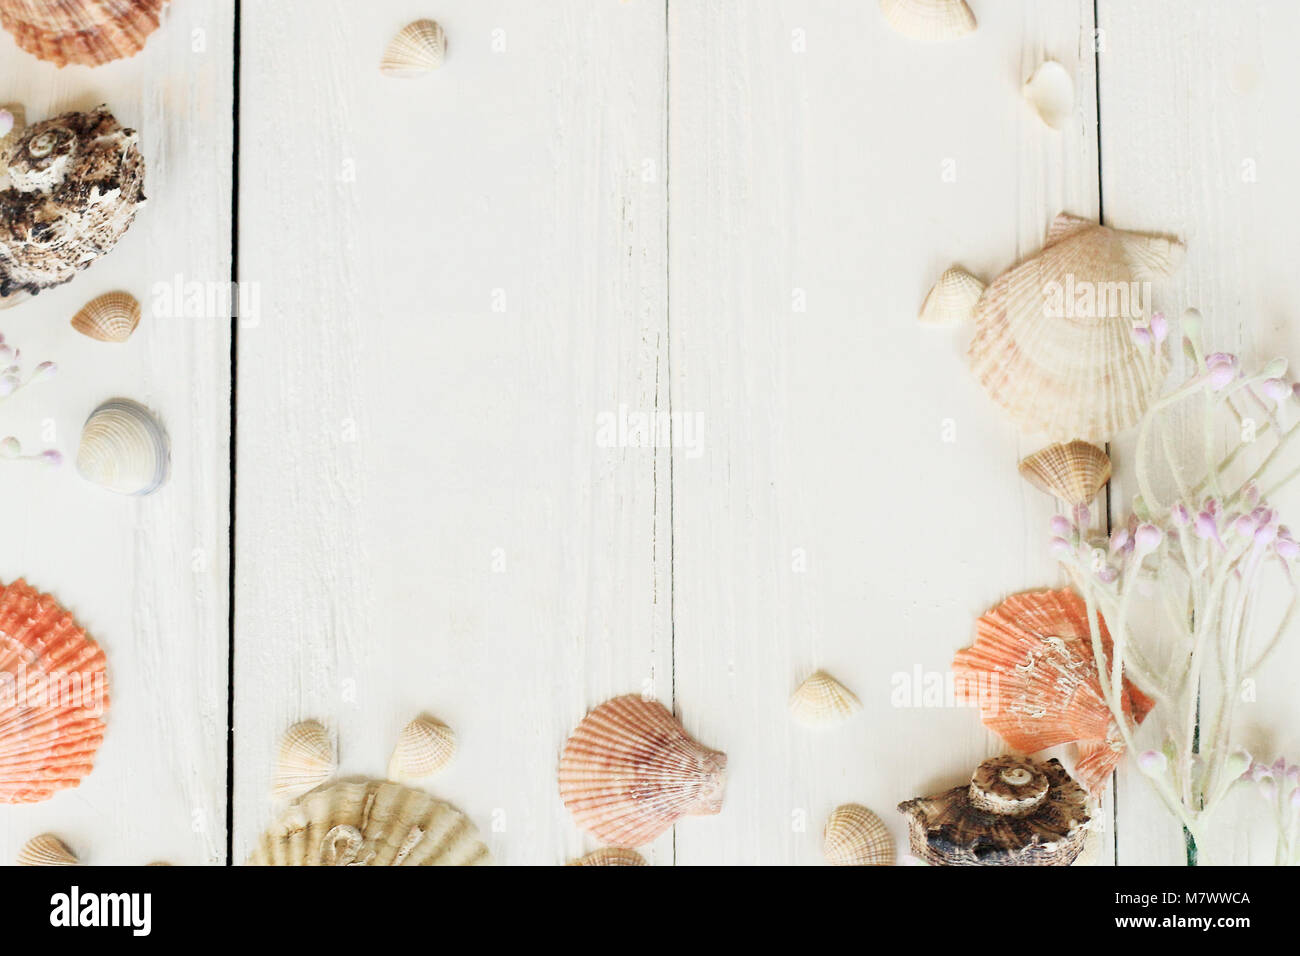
x=89, y=32
x=53, y=693
x=1032, y=673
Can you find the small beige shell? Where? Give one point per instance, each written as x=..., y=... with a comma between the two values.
x=1050, y=91
x=610, y=856
x=930, y=21
x=109, y=318
x=124, y=448
x=306, y=760
x=854, y=836
x=1072, y=471
x=417, y=49
x=952, y=299
x=424, y=747
x=10, y=136
x=821, y=701
x=46, y=850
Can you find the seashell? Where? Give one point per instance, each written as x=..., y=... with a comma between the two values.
x=931, y=21
x=417, y=49
x=69, y=189
x=611, y=856
x=952, y=299
x=46, y=850
x=854, y=836
x=1015, y=812
x=13, y=120
x=629, y=771
x=1053, y=340
x=88, y=32
x=370, y=823
x=821, y=700
x=1074, y=472
x=51, y=714
x=1032, y=673
x=109, y=318
x=124, y=448
x=1050, y=91
x=306, y=760
x=424, y=747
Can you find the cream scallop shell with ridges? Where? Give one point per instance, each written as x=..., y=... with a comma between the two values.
x=417, y=49
x=931, y=21
x=111, y=317
x=424, y=747
x=1074, y=472
x=952, y=299
x=46, y=850
x=124, y=448
x=821, y=701
x=854, y=836
x=306, y=760
x=610, y=856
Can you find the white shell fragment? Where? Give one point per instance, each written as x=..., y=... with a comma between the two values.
x=1050, y=91
x=951, y=301
x=417, y=49
x=424, y=747
x=306, y=760
x=821, y=701
x=46, y=850
x=124, y=448
x=109, y=318
x=930, y=21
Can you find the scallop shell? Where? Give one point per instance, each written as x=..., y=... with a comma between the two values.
x=424, y=747
x=611, y=856
x=69, y=189
x=370, y=823
x=306, y=760
x=1057, y=364
x=821, y=700
x=46, y=850
x=124, y=448
x=1050, y=91
x=952, y=299
x=109, y=318
x=1032, y=673
x=417, y=49
x=629, y=771
x=1074, y=472
x=53, y=693
x=89, y=32
x=1015, y=812
x=931, y=21
x=16, y=123
x=854, y=836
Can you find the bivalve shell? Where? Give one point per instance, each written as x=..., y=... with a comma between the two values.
x=951, y=301
x=930, y=21
x=417, y=49
x=854, y=836
x=87, y=32
x=611, y=856
x=821, y=701
x=110, y=318
x=1073, y=472
x=424, y=747
x=124, y=448
x=46, y=850
x=306, y=760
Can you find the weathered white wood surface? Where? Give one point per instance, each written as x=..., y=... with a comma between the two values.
x=147, y=577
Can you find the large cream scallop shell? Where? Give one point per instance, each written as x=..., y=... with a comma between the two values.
x=46, y=850
x=854, y=836
x=370, y=823
x=306, y=760
x=821, y=701
x=931, y=21
x=1074, y=472
x=610, y=856
x=629, y=772
x=124, y=448
x=111, y=317
x=87, y=32
x=951, y=301
x=418, y=48
x=424, y=747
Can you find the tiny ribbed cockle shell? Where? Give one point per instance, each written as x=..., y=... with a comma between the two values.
x=611, y=856
x=423, y=748
x=86, y=32
x=305, y=761
x=931, y=21
x=418, y=48
x=124, y=448
x=951, y=301
x=629, y=772
x=854, y=836
x=1073, y=472
x=111, y=317
x=821, y=701
x=46, y=850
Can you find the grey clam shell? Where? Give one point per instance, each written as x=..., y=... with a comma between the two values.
x=124, y=448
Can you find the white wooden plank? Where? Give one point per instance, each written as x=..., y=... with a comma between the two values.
x=459, y=275
x=810, y=150
x=147, y=577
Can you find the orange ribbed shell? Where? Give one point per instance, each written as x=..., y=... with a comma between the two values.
x=88, y=32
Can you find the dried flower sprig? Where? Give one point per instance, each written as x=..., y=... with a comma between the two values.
x=11, y=381
x=1279, y=787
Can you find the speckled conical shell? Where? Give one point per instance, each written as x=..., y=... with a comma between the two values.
x=610, y=856
x=89, y=32
x=46, y=850
x=952, y=299
x=931, y=21
x=109, y=318
x=822, y=701
x=1015, y=812
x=629, y=772
x=854, y=836
x=424, y=747
x=1031, y=672
x=69, y=188
x=1057, y=372
x=370, y=823
x=53, y=694
x=124, y=448
x=1073, y=472
x=306, y=760
x=418, y=48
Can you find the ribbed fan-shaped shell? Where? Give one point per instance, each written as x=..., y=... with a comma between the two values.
x=53, y=693
x=89, y=32
x=306, y=760
x=952, y=299
x=424, y=747
x=46, y=850
x=1032, y=673
x=370, y=823
x=821, y=701
x=1056, y=364
x=124, y=448
x=629, y=771
x=611, y=856
x=1073, y=472
x=110, y=318
x=854, y=836
x=931, y=21
x=418, y=48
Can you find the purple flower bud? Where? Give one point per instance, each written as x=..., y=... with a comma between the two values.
x=1244, y=525
x=1153, y=763
x=1159, y=326
x=1060, y=526
x=1142, y=336
x=1107, y=574
x=1266, y=535
x=1147, y=538
x=1251, y=491
x=52, y=457
x=1059, y=546
x=1206, y=529
x=1268, y=789
x=1288, y=549
x=1181, y=516
x=1277, y=389
x=1211, y=505
x=1118, y=540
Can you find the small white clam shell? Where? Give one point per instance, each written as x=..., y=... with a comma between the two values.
x=306, y=760
x=417, y=49
x=821, y=701
x=124, y=448
x=930, y=21
x=109, y=318
x=952, y=299
x=46, y=850
x=1050, y=91
x=424, y=747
